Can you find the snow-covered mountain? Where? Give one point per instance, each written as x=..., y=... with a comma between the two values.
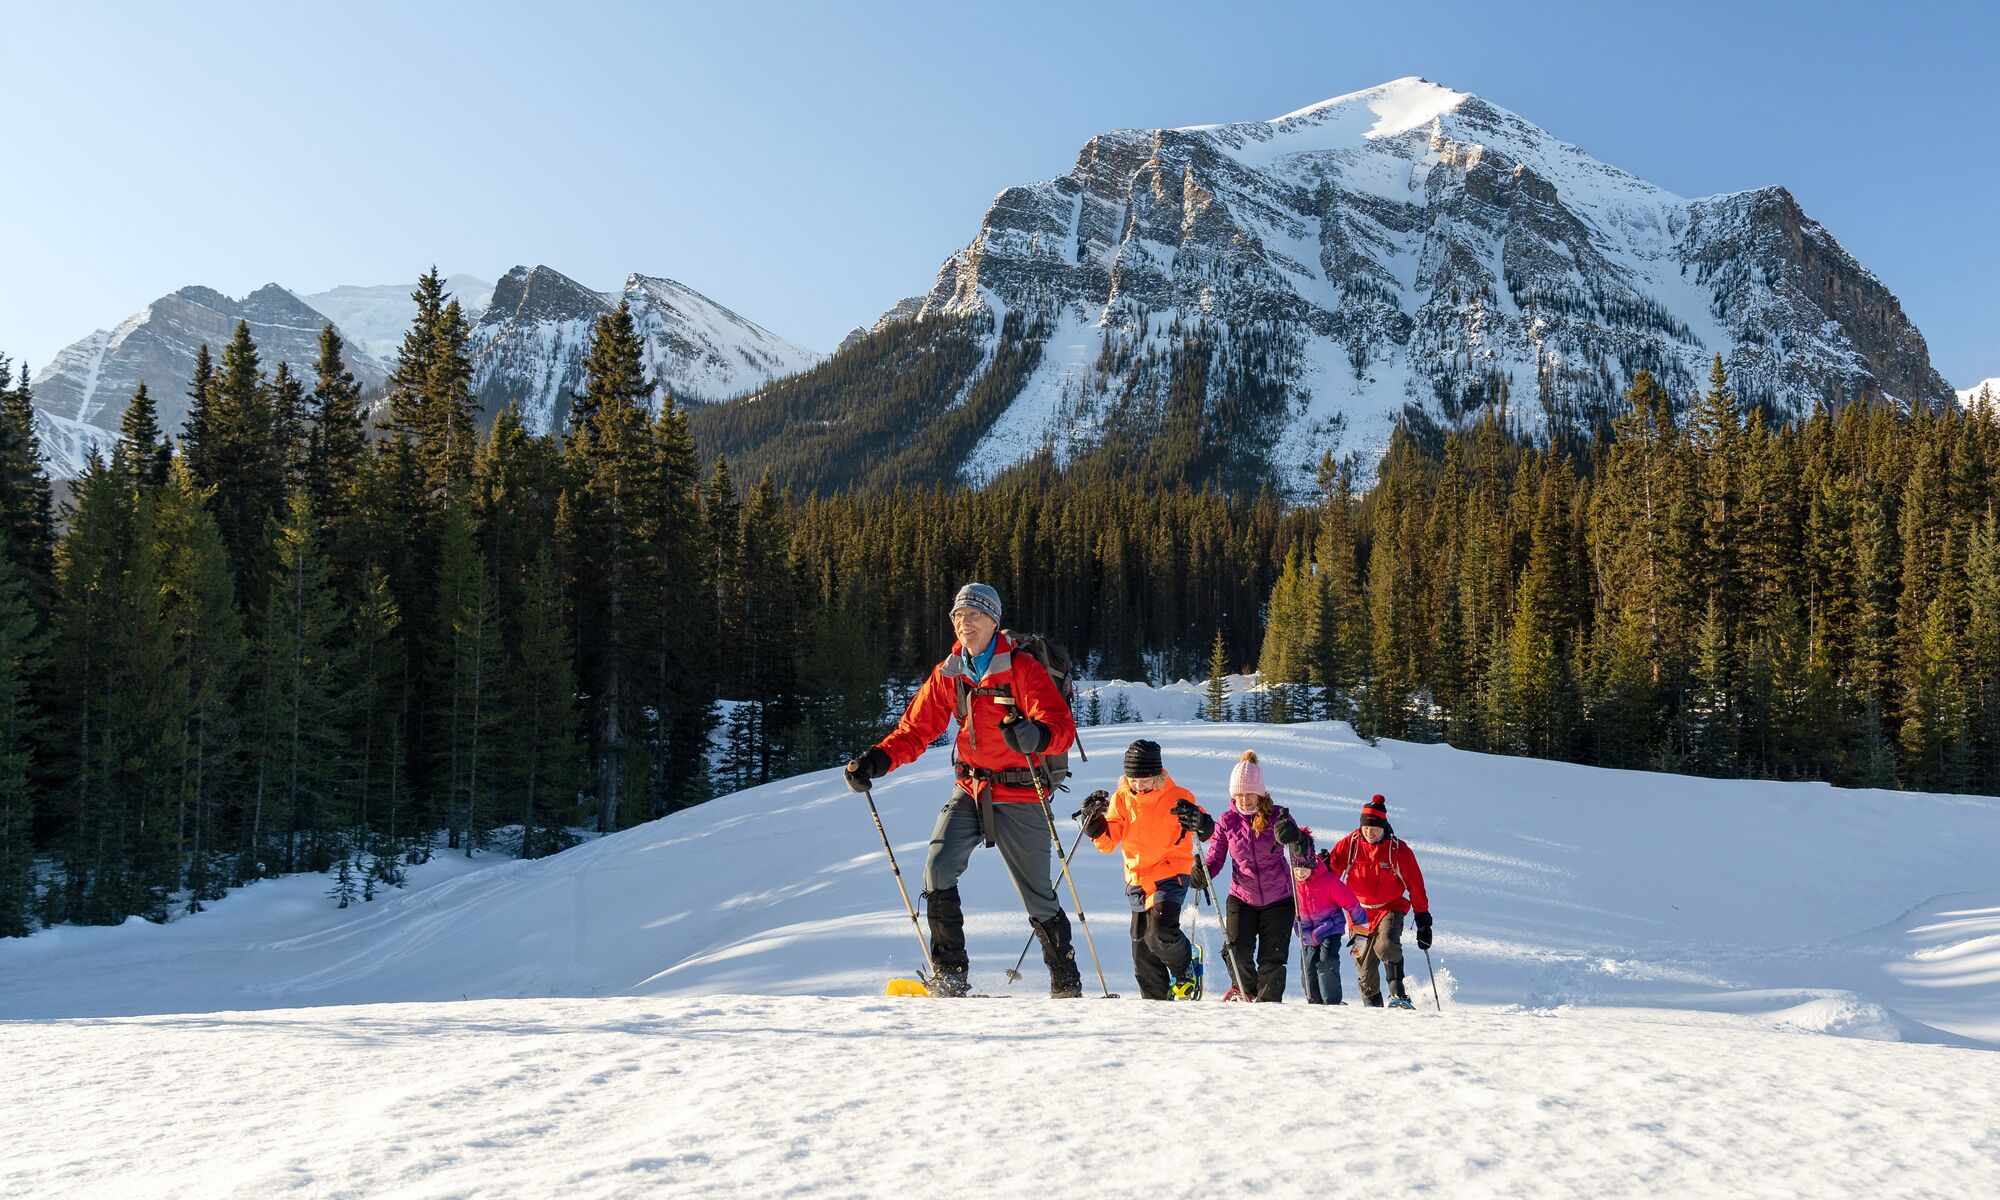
x=376, y=317
x=1984, y=395
x=1407, y=249
x=530, y=333
x=529, y=346
x=82, y=395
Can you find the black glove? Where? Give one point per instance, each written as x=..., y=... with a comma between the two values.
x=1022, y=735
x=1095, y=806
x=869, y=765
x=1423, y=931
x=1194, y=820
x=1198, y=878
x=1286, y=831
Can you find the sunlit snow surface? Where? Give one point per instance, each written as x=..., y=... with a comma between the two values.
x=1652, y=985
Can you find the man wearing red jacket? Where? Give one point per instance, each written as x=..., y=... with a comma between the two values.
x=1007, y=709
x=1380, y=868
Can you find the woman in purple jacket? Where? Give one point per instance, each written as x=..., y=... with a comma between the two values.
x=1253, y=834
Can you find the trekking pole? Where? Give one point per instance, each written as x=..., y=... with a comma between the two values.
x=1055, y=835
x=929, y=967
x=1433, y=978
x=1014, y=972
x=1228, y=947
x=1298, y=916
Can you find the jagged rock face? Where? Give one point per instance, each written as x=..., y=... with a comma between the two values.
x=529, y=346
x=1409, y=250
x=82, y=395
x=902, y=310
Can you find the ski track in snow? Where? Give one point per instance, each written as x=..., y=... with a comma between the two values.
x=1653, y=985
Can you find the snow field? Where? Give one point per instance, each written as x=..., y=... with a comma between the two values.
x=1654, y=985
x=871, y=1097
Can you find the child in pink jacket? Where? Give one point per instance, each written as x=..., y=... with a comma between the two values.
x=1326, y=905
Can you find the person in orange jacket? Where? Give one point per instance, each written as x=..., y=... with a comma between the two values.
x=1009, y=714
x=1382, y=871
x=1150, y=818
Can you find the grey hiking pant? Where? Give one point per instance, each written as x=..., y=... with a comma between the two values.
x=1384, y=946
x=1022, y=833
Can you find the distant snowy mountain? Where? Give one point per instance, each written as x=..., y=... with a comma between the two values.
x=529, y=346
x=82, y=395
x=376, y=318
x=1984, y=395
x=530, y=333
x=1290, y=286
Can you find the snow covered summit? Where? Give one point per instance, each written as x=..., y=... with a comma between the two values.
x=1406, y=251
x=529, y=346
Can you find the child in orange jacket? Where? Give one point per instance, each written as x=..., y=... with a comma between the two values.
x=1153, y=820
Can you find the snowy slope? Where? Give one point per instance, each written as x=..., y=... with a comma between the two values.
x=1653, y=985
x=1553, y=884
x=1409, y=246
x=81, y=397
x=763, y=1096
x=1972, y=397
x=528, y=348
x=377, y=316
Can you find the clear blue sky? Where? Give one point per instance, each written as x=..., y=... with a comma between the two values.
x=810, y=164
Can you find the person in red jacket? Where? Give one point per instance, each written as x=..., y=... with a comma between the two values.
x=1009, y=714
x=1381, y=870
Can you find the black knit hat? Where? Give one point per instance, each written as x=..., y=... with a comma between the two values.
x=1142, y=758
x=1376, y=811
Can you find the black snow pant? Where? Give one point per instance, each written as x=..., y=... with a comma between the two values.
x=1161, y=953
x=1260, y=938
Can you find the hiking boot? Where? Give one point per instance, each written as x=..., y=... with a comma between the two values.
x=947, y=921
x=1401, y=1002
x=949, y=983
x=1188, y=987
x=1065, y=981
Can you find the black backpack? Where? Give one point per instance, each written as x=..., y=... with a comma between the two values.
x=1062, y=672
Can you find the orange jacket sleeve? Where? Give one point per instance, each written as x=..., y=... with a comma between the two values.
x=1117, y=819
x=930, y=711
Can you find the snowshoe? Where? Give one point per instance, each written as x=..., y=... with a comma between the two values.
x=1235, y=994
x=1401, y=1002
x=950, y=984
x=1188, y=988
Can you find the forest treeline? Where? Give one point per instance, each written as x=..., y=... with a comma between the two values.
x=304, y=633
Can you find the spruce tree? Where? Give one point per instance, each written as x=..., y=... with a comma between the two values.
x=27, y=503
x=301, y=806
x=469, y=707
x=1216, y=697
x=244, y=461
x=199, y=598
x=378, y=740
x=22, y=645
x=612, y=457
x=140, y=455
x=543, y=742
